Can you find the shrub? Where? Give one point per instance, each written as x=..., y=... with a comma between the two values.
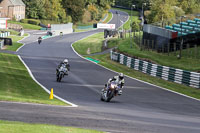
x=24, y=20
x=33, y=21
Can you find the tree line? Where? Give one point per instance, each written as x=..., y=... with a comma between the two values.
x=66, y=10
x=160, y=10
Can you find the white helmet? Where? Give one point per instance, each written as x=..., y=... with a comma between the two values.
x=121, y=75
x=65, y=61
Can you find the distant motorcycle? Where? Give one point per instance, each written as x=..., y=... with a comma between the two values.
x=110, y=92
x=39, y=40
x=61, y=73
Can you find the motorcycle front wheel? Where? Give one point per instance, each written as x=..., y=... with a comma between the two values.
x=110, y=95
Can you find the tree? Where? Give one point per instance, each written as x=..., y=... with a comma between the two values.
x=74, y=8
x=189, y=6
x=93, y=10
x=161, y=10
x=35, y=9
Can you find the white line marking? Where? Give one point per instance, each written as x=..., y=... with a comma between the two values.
x=37, y=104
x=30, y=73
x=132, y=77
x=22, y=43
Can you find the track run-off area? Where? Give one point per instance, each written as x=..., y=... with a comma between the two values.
x=143, y=108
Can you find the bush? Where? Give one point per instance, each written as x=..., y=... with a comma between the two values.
x=33, y=21
x=24, y=20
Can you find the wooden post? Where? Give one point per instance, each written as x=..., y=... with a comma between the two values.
x=156, y=47
x=195, y=50
x=168, y=46
x=175, y=49
x=148, y=41
x=163, y=48
x=144, y=45
x=152, y=46
x=188, y=51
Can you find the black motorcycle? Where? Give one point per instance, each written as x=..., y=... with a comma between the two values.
x=39, y=40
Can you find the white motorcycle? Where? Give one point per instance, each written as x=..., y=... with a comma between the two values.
x=110, y=92
x=61, y=73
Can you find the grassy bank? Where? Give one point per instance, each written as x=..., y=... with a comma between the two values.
x=15, y=81
x=105, y=61
x=25, y=25
x=19, y=127
x=185, y=63
x=17, y=85
x=132, y=18
x=109, y=17
x=15, y=40
x=90, y=45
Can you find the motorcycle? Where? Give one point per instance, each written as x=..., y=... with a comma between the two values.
x=110, y=92
x=39, y=40
x=61, y=73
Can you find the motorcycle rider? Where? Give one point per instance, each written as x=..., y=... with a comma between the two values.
x=39, y=40
x=64, y=63
x=120, y=81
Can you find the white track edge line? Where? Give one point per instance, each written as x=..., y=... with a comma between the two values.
x=30, y=73
x=22, y=43
x=132, y=77
x=36, y=104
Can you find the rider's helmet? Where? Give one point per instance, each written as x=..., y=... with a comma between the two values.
x=65, y=61
x=121, y=76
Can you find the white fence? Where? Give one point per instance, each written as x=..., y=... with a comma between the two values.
x=5, y=34
x=57, y=29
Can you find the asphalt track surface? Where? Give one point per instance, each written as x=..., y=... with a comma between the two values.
x=142, y=108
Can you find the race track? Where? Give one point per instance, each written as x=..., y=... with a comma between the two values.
x=142, y=108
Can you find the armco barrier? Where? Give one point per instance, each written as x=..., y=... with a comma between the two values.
x=167, y=73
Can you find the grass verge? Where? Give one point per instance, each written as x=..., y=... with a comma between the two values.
x=19, y=127
x=185, y=63
x=132, y=18
x=105, y=61
x=15, y=40
x=109, y=17
x=90, y=45
x=17, y=85
x=26, y=26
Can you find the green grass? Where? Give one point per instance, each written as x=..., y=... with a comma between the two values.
x=191, y=64
x=132, y=18
x=15, y=81
x=17, y=85
x=19, y=127
x=82, y=30
x=125, y=44
x=15, y=45
x=109, y=17
x=12, y=32
x=26, y=26
x=90, y=45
